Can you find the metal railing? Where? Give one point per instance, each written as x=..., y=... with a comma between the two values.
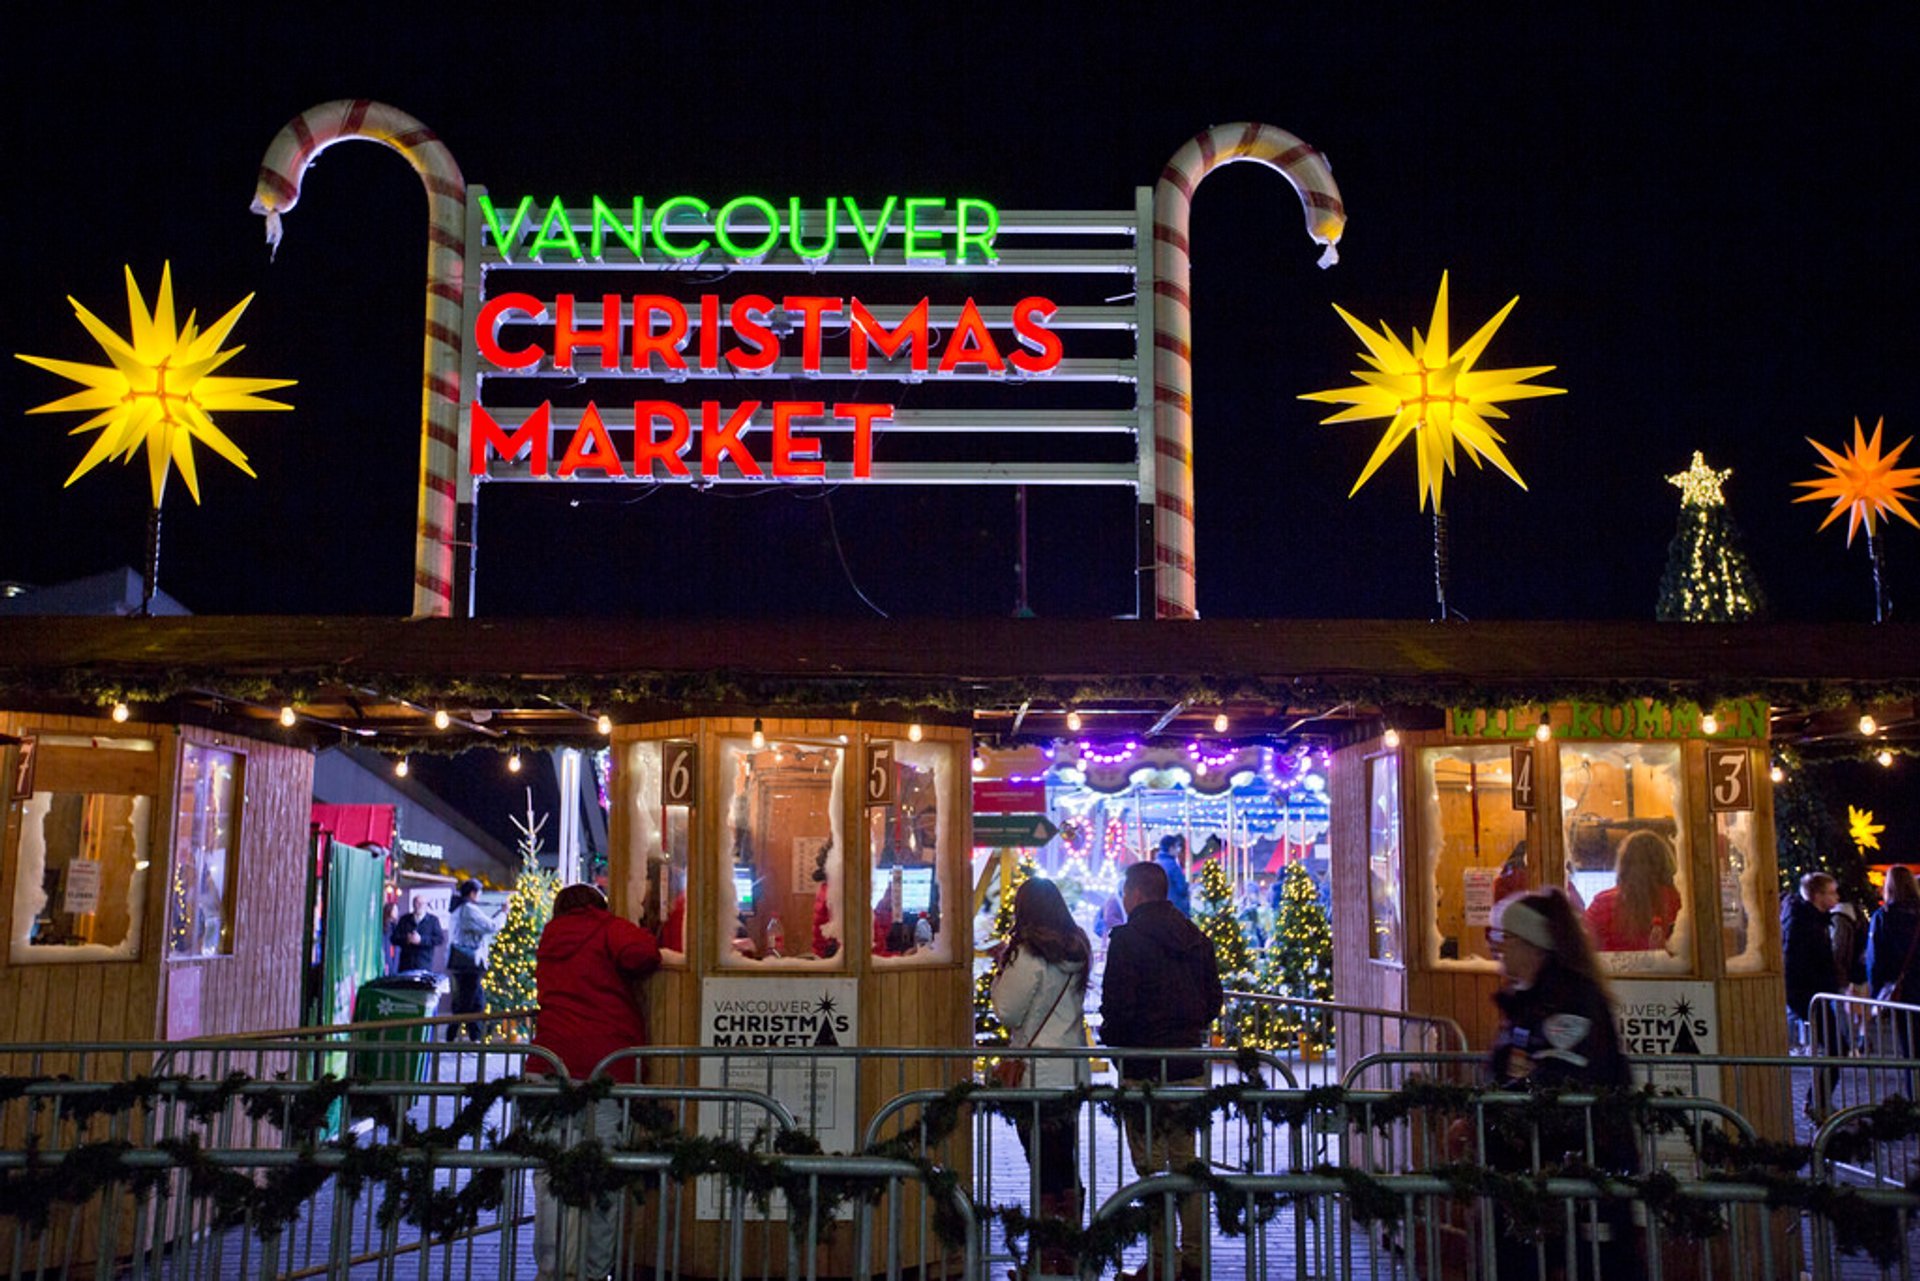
x=1353, y=1182
x=1316, y=1037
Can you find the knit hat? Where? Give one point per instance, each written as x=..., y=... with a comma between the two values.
x=1516, y=918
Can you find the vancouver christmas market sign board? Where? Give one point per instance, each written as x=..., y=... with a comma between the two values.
x=601, y=360
x=655, y=338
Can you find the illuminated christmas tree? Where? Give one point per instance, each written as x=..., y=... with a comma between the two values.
x=1297, y=963
x=1708, y=579
x=510, y=983
x=1219, y=920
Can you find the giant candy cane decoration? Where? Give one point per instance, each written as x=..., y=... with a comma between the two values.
x=1302, y=166
x=278, y=190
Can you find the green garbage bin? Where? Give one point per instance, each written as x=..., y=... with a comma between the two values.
x=408, y=995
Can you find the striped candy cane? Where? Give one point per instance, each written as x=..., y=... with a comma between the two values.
x=278, y=190
x=1302, y=166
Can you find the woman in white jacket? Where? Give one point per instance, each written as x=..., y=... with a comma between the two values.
x=1039, y=989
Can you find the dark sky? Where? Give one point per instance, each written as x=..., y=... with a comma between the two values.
x=1710, y=228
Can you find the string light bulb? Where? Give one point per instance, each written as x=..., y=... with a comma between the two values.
x=1885, y=758
x=759, y=734
x=1391, y=738
x=1709, y=724
x=287, y=715
x=1544, y=730
x=120, y=713
x=604, y=724
x=1777, y=774
x=1869, y=726
x=401, y=768
x=979, y=763
x=914, y=732
x=513, y=762
x=1073, y=721
x=441, y=720
x=1220, y=723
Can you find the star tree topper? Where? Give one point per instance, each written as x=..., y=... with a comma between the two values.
x=1862, y=483
x=1432, y=392
x=159, y=390
x=1700, y=484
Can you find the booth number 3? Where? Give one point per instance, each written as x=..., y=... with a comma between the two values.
x=1729, y=779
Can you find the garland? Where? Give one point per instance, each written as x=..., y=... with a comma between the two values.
x=585, y=1173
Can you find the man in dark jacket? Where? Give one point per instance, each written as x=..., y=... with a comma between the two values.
x=417, y=935
x=1162, y=988
x=1810, y=970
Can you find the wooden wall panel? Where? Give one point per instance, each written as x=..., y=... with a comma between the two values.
x=102, y=1000
x=257, y=986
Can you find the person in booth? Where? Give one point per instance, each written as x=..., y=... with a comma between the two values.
x=586, y=968
x=1639, y=912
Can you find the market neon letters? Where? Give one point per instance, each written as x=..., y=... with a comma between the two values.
x=590, y=453
x=746, y=228
x=657, y=325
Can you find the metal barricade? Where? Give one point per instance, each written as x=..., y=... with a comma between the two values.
x=1315, y=1038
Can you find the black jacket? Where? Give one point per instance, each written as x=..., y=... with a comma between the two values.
x=1892, y=957
x=1560, y=1034
x=1162, y=988
x=416, y=956
x=1809, y=953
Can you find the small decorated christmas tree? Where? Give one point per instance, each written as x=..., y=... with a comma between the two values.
x=1219, y=920
x=1297, y=963
x=510, y=982
x=1708, y=579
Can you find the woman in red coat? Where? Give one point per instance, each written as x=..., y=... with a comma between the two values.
x=585, y=968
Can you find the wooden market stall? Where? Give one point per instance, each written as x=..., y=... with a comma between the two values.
x=809, y=879
x=1643, y=811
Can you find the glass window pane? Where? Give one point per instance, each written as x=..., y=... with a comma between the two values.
x=1626, y=852
x=1738, y=876
x=1383, y=860
x=80, y=878
x=658, y=847
x=1475, y=845
x=904, y=842
x=780, y=849
x=200, y=903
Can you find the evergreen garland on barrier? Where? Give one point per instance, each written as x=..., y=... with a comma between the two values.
x=584, y=1173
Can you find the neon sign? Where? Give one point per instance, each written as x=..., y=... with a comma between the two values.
x=746, y=229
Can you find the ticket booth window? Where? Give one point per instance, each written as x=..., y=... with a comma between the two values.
x=905, y=837
x=206, y=826
x=781, y=901
x=657, y=866
x=1626, y=851
x=1387, y=933
x=81, y=867
x=1737, y=874
x=1475, y=847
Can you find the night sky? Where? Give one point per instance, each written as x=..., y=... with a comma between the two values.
x=1710, y=231
x=1710, y=228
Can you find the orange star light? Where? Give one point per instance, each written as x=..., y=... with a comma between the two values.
x=1862, y=482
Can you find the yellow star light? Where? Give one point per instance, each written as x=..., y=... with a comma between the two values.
x=1434, y=390
x=1700, y=484
x=1862, y=482
x=159, y=390
x=1864, y=831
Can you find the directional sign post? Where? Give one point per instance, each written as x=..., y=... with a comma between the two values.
x=998, y=830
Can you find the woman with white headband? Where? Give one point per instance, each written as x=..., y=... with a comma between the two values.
x=1557, y=1032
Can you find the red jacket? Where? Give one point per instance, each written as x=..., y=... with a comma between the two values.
x=585, y=969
